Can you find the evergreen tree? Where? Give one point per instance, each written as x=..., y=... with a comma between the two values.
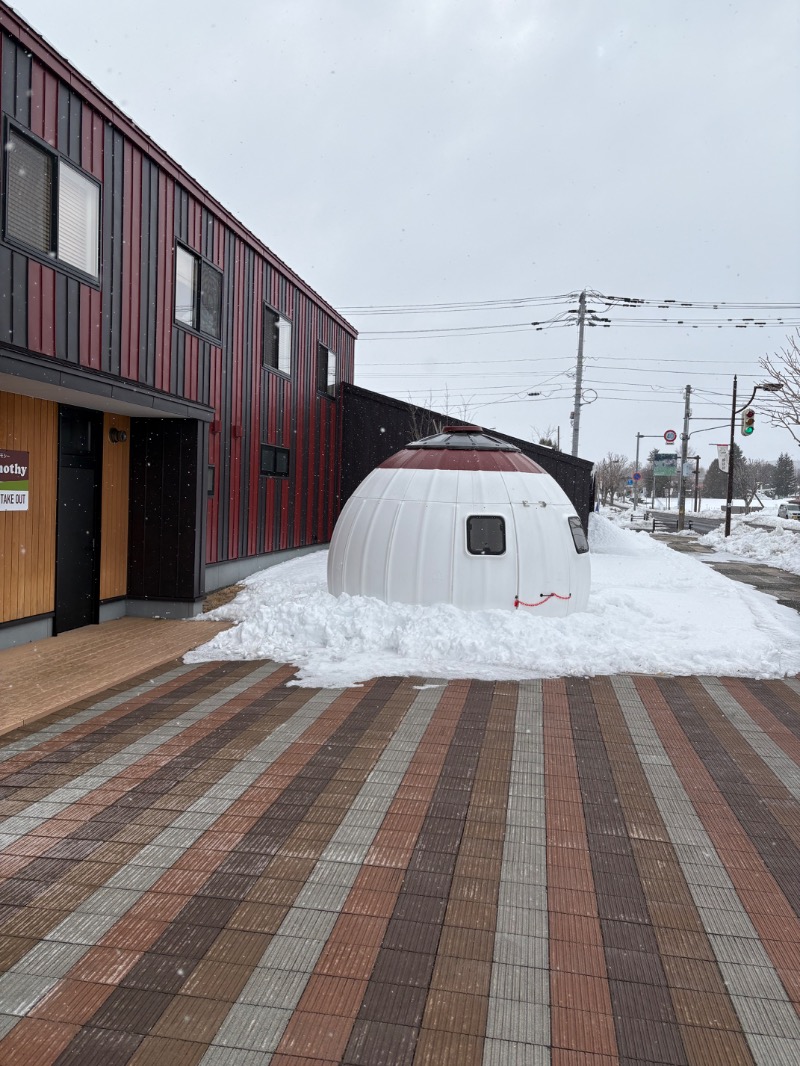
x=784, y=481
x=715, y=483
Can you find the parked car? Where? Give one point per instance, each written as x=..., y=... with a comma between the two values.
x=790, y=509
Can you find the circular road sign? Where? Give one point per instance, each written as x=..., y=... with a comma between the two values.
x=670, y=436
x=637, y=476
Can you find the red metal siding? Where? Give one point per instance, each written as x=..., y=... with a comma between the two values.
x=125, y=324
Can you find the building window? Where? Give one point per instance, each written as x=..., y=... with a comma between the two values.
x=578, y=536
x=486, y=535
x=198, y=293
x=277, y=342
x=274, y=461
x=326, y=370
x=211, y=480
x=51, y=206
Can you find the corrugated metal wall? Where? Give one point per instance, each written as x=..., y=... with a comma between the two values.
x=124, y=325
x=376, y=426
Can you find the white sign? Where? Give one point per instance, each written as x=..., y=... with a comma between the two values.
x=14, y=472
x=722, y=457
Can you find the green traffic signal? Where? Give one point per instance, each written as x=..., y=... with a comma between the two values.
x=748, y=421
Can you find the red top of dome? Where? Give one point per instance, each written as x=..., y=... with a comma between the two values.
x=462, y=448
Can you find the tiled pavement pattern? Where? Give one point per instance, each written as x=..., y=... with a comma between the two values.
x=214, y=867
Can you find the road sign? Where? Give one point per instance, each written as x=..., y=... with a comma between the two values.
x=637, y=476
x=630, y=480
x=670, y=436
x=665, y=464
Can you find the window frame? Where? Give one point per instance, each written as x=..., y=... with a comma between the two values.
x=326, y=387
x=58, y=160
x=200, y=264
x=276, y=452
x=483, y=518
x=271, y=317
x=581, y=541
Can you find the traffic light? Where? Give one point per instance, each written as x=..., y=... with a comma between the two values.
x=748, y=421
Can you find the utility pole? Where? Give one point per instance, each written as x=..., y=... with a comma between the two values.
x=729, y=501
x=576, y=414
x=684, y=454
x=636, y=471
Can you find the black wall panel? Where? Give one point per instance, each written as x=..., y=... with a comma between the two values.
x=375, y=427
x=167, y=487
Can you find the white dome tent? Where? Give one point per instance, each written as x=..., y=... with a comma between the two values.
x=463, y=518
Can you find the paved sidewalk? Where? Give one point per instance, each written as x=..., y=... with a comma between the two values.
x=216, y=867
x=38, y=678
x=785, y=587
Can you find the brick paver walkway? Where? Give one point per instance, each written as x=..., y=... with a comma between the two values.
x=38, y=678
x=214, y=867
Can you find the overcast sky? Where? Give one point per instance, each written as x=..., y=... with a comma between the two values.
x=473, y=151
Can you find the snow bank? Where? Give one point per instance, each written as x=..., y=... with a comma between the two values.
x=778, y=546
x=651, y=610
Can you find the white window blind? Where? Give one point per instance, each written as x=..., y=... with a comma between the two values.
x=331, y=372
x=185, y=286
x=284, y=329
x=78, y=220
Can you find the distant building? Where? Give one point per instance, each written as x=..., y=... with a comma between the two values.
x=167, y=385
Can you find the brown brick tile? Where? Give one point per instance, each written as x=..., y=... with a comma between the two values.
x=158, y=1051
x=307, y=1032
x=105, y=964
x=440, y=1048
x=134, y=934
x=190, y=1014
x=713, y=1046
x=238, y=946
x=12, y=949
x=36, y=1041
x=467, y=943
x=456, y=1012
x=342, y=959
x=463, y=976
x=376, y=1042
x=71, y=1001
x=579, y=1031
x=325, y=994
x=582, y=992
x=470, y=915
x=257, y=918
x=221, y=981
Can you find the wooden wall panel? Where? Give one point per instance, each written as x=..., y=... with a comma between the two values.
x=28, y=538
x=114, y=521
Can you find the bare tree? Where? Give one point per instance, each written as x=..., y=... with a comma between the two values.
x=548, y=438
x=424, y=422
x=784, y=368
x=612, y=473
x=755, y=474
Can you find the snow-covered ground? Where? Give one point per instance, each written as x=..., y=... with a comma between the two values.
x=651, y=610
x=760, y=537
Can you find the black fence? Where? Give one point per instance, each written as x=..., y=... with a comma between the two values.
x=376, y=426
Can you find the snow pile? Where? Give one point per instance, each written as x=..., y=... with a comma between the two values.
x=651, y=610
x=779, y=546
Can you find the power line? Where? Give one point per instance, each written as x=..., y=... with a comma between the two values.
x=465, y=305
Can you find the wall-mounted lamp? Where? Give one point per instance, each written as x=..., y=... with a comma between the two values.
x=117, y=436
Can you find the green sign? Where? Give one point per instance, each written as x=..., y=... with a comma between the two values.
x=665, y=464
